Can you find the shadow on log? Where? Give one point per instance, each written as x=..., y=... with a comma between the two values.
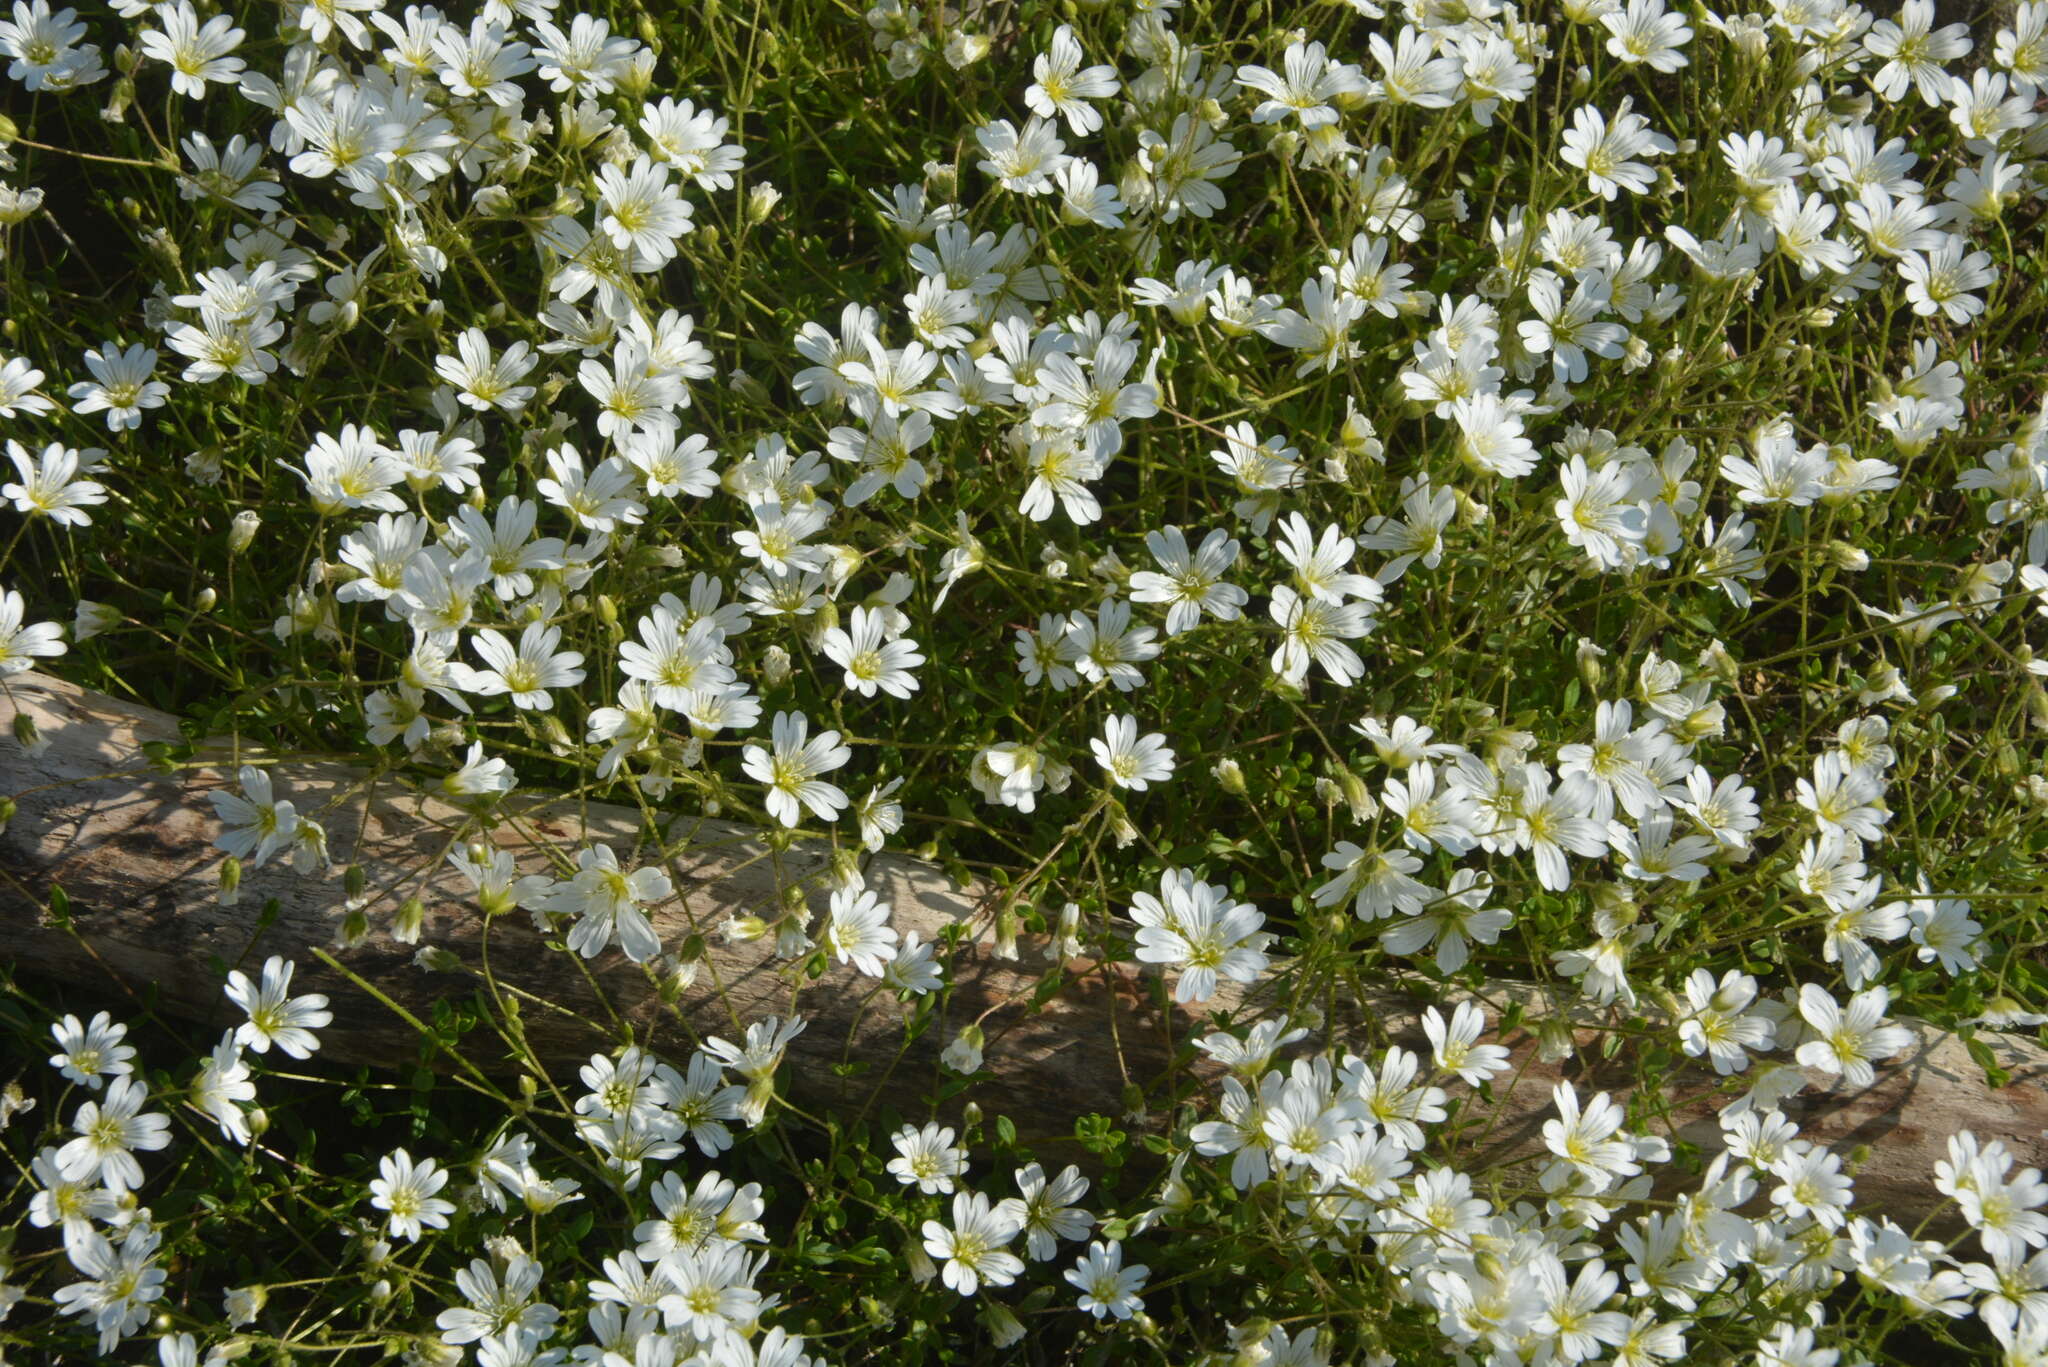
x=132, y=848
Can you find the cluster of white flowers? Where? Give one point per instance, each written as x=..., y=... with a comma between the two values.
x=1605, y=1266
x=88, y=1189
x=1076, y=413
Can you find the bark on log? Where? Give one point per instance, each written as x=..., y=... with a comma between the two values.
x=132, y=849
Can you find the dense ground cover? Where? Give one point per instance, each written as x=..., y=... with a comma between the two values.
x=1288, y=495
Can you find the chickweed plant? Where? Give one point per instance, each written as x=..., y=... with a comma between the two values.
x=1286, y=496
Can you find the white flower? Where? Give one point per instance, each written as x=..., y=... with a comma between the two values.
x=1190, y=583
x=974, y=1246
x=1108, y=1287
x=122, y=1282
x=528, y=672
x=108, y=1131
x=1196, y=926
x=1720, y=1024
x=21, y=646
x=222, y=1084
x=791, y=769
x=1060, y=85
x=1847, y=1041
x=121, y=386
x=858, y=931
x=275, y=1016
x=196, y=53
x=1131, y=760
x=927, y=1159
x=640, y=211
x=88, y=1054
x=254, y=824
x=484, y=382
x=1048, y=1210
x=50, y=485
x=1455, y=1044
x=870, y=662
x=609, y=903
x=406, y=1190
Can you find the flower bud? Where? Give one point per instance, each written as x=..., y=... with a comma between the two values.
x=919, y=1263
x=242, y=531
x=29, y=734
x=435, y=960
x=1357, y=796
x=244, y=1304
x=963, y=1055
x=1003, y=1326
x=1229, y=775
x=1590, y=671
x=405, y=926
x=965, y=49
x=1066, y=936
x=94, y=618
x=354, y=928
x=204, y=600
x=1555, y=1040
x=230, y=881
x=775, y=667
x=1716, y=661
x=1845, y=556
x=761, y=201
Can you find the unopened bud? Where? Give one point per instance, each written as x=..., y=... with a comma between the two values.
x=1716, y=660
x=355, y=928
x=405, y=927
x=29, y=734
x=1848, y=557
x=242, y=531
x=1555, y=1040
x=761, y=201
x=1358, y=797
x=963, y=1055
x=204, y=600
x=230, y=880
x=1590, y=671
x=775, y=667
x=1003, y=1326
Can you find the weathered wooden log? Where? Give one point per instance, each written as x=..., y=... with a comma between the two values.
x=132, y=848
